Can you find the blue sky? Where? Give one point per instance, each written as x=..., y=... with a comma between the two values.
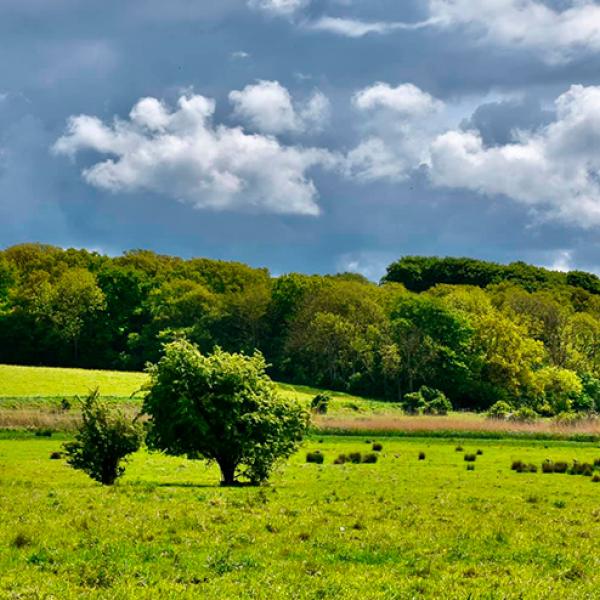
x=304, y=135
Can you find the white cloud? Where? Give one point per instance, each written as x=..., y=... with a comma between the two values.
x=239, y=55
x=555, y=170
x=527, y=24
x=267, y=107
x=279, y=7
x=355, y=28
x=182, y=154
x=406, y=99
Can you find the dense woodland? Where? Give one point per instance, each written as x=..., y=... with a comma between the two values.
x=478, y=331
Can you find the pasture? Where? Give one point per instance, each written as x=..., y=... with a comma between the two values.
x=399, y=528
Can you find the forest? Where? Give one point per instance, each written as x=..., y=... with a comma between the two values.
x=486, y=335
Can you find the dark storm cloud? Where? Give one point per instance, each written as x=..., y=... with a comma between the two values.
x=72, y=57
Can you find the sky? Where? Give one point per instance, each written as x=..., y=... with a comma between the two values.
x=304, y=135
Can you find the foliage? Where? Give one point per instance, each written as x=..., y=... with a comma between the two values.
x=104, y=439
x=320, y=403
x=499, y=410
x=427, y=400
x=221, y=407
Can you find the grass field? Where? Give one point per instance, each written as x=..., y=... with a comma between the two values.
x=401, y=528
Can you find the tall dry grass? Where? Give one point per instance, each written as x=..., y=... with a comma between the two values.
x=453, y=423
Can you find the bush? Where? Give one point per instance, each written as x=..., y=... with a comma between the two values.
x=524, y=415
x=65, y=404
x=520, y=467
x=470, y=467
x=517, y=465
x=479, y=452
x=355, y=457
x=315, y=457
x=369, y=458
x=104, y=438
x=427, y=400
x=499, y=410
x=342, y=459
x=377, y=447
x=547, y=466
x=421, y=455
x=561, y=467
x=56, y=455
x=596, y=478
x=585, y=469
x=458, y=449
x=43, y=433
x=223, y=408
x=320, y=403
x=470, y=457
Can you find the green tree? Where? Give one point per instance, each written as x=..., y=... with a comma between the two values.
x=221, y=407
x=104, y=439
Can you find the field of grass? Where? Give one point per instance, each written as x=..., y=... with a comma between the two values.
x=401, y=528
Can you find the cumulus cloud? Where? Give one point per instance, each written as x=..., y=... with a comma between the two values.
x=529, y=24
x=279, y=7
x=398, y=124
x=555, y=170
x=181, y=153
x=268, y=107
x=406, y=99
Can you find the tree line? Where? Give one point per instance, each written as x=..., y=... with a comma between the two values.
x=481, y=333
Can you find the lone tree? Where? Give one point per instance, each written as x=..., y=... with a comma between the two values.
x=221, y=407
x=105, y=437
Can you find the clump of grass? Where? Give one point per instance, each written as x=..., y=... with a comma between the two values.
x=479, y=452
x=561, y=467
x=597, y=463
x=532, y=499
x=21, y=540
x=458, y=449
x=421, y=455
x=315, y=457
x=470, y=467
x=585, y=469
x=470, y=458
x=369, y=458
x=355, y=457
x=43, y=433
x=342, y=459
x=547, y=466
x=596, y=478
x=377, y=447
x=521, y=467
x=56, y=455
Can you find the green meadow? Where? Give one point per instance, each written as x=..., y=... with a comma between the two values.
x=400, y=528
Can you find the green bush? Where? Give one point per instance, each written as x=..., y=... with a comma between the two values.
x=427, y=400
x=499, y=410
x=524, y=415
x=103, y=440
x=377, y=447
x=470, y=457
x=315, y=457
x=355, y=457
x=421, y=455
x=342, y=459
x=320, y=403
x=369, y=458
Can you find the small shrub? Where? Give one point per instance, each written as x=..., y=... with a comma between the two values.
x=524, y=415
x=342, y=459
x=377, y=447
x=479, y=452
x=547, y=466
x=43, y=433
x=470, y=467
x=56, y=455
x=21, y=540
x=585, y=469
x=596, y=478
x=597, y=463
x=65, y=404
x=458, y=449
x=560, y=504
x=500, y=410
x=470, y=458
x=103, y=440
x=421, y=455
x=355, y=457
x=561, y=467
x=315, y=457
x=369, y=458
x=320, y=403
x=520, y=467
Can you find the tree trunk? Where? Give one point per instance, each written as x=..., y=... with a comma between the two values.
x=227, y=473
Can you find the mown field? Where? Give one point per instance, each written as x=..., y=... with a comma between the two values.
x=401, y=528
